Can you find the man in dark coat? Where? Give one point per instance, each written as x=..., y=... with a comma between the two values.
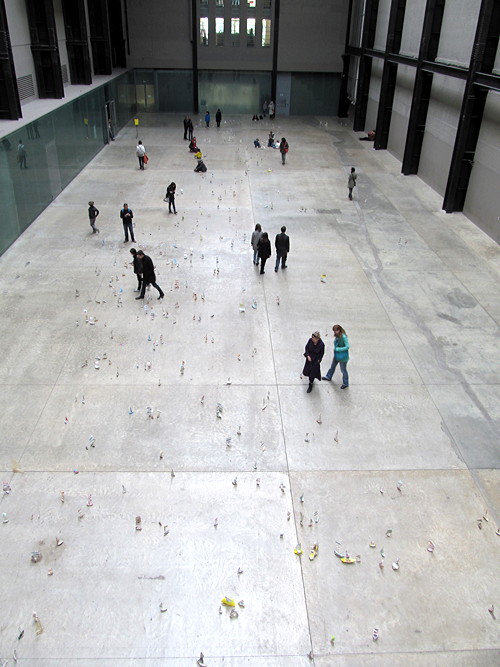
x=137, y=268
x=282, y=245
x=190, y=129
x=148, y=275
x=186, y=124
x=315, y=349
x=126, y=214
x=218, y=117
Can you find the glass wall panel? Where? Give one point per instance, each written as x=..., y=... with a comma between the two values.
x=175, y=90
x=57, y=146
x=234, y=92
x=314, y=93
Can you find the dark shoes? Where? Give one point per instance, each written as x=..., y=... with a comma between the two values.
x=327, y=379
x=344, y=386
x=262, y=272
x=160, y=297
x=276, y=270
x=139, y=297
x=309, y=388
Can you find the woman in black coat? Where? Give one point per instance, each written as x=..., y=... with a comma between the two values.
x=315, y=349
x=264, y=250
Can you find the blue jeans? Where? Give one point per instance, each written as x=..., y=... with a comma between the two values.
x=255, y=256
x=343, y=368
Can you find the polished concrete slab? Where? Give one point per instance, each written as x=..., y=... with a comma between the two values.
x=197, y=419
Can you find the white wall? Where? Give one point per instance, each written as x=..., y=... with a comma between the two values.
x=457, y=32
x=401, y=110
x=384, y=9
x=440, y=131
x=412, y=28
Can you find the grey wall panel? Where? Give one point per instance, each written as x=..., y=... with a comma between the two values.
x=384, y=9
x=496, y=68
x=160, y=34
x=373, y=97
x=440, y=131
x=457, y=32
x=412, y=29
x=482, y=204
x=311, y=36
x=401, y=110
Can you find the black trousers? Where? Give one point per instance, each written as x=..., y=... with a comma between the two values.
x=127, y=227
x=263, y=261
x=145, y=284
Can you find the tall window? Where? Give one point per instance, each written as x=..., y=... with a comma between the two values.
x=204, y=31
x=250, y=32
x=235, y=3
x=266, y=32
x=235, y=32
x=219, y=3
x=219, y=32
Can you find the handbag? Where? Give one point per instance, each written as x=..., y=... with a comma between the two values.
x=146, y=159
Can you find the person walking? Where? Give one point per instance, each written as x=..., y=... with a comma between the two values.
x=148, y=275
x=218, y=117
x=315, y=349
x=126, y=214
x=93, y=213
x=140, y=151
x=351, y=182
x=207, y=118
x=21, y=154
x=137, y=264
x=283, y=149
x=186, y=126
x=270, y=140
x=190, y=128
x=340, y=355
x=282, y=245
x=254, y=242
x=170, y=197
x=264, y=250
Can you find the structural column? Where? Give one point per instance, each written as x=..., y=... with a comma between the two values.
x=10, y=106
x=429, y=43
x=44, y=48
x=365, y=64
x=76, y=41
x=474, y=100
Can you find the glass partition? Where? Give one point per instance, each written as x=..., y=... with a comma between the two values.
x=234, y=92
x=54, y=149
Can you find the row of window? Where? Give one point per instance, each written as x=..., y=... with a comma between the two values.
x=236, y=3
x=235, y=32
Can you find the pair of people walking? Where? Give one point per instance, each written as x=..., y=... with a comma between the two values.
x=262, y=248
x=314, y=352
x=143, y=264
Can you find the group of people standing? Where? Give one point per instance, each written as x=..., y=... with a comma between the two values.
x=145, y=272
x=262, y=248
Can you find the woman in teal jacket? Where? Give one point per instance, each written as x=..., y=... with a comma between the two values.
x=340, y=355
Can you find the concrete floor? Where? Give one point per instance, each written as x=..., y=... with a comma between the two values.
x=417, y=292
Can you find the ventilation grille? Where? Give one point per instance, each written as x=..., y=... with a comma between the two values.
x=25, y=87
x=64, y=74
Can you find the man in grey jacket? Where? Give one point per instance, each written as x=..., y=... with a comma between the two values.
x=282, y=245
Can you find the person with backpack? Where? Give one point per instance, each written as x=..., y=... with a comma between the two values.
x=140, y=151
